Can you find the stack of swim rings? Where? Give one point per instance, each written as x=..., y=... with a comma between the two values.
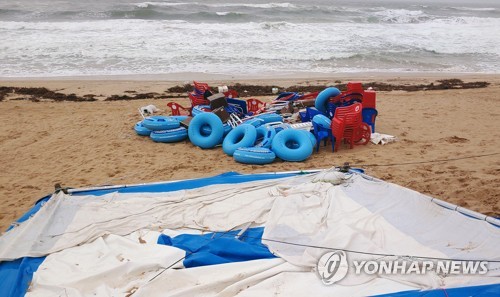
x=162, y=128
x=257, y=141
x=262, y=145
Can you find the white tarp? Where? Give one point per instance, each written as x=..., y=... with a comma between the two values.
x=66, y=221
x=358, y=215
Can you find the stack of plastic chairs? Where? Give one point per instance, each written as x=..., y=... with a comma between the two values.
x=197, y=96
x=200, y=87
x=352, y=120
x=337, y=130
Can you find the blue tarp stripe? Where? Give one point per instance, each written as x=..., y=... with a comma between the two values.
x=219, y=247
x=225, y=178
x=15, y=276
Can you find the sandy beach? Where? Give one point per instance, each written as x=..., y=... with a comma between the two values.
x=81, y=144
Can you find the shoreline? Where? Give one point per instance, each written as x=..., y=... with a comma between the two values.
x=190, y=76
x=123, y=85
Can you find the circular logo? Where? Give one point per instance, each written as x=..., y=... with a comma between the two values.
x=356, y=109
x=332, y=267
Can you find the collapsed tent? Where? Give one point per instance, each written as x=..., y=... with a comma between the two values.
x=244, y=235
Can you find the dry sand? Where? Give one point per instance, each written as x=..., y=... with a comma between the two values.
x=93, y=143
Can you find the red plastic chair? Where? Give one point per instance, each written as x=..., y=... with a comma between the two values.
x=337, y=128
x=231, y=94
x=363, y=134
x=178, y=109
x=351, y=116
x=355, y=86
x=309, y=96
x=254, y=105
x=200, y=88
x=197, y=99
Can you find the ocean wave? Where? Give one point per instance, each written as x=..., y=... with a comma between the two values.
x=274, y=25
x=486, y=22
x=224, y=43
x=152, y=3
x=473, y=8
x=251, y=5
x=402, y=16
x=254, y=5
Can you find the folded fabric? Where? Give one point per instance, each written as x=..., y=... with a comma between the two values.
x=378, y=138
x=219, y=247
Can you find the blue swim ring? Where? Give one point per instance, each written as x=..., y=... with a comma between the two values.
x=254, y=155
x=322, y=121
x=265, y=135
x=255, y=122
x=171, y=135
x=197, y=135
x=292, y=145
x=207, y=130
x=157, y=123
x=311, y=137
x=270, y=118
x=199, y=109
x=243, y=135
x=179, y=118
x=321, y=102
x=141, y=130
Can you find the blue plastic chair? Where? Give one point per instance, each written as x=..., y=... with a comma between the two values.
x=369, y=116
x=324, y=134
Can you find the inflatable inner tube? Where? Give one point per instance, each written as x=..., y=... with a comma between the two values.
x=198, y=135
x=292, y=145
x=199, y=109
x=265, y=135
x=141, y=130
x=179, y=118
x=311, y=137
x=157, y=123
x=207, y=130
x=254, y=155
x=255, y=122
x=321, y=102
x=322, y=121
x=270, y=118
x=242, y=136
x=172, y=135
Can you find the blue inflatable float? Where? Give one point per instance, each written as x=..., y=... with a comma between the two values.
x=141, y=130
x=172, y=135
x=157, y=123
x=207, y=130
x=322, y=121
x=265, y=135
x=255, y=122
x=321, y=102
x=292, y=145
x=311, y=137
x=199, y=109
x=254, y=155
x=197, y=133
x=269, y=118
x=243, y=135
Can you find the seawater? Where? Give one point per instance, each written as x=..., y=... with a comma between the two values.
x=251, y=37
